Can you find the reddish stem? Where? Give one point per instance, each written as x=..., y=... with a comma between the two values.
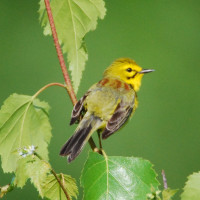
x=60, y=55
x=63, y=66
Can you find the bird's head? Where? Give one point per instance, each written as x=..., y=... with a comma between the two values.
x=128, y=71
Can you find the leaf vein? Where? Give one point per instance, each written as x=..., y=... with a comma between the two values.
x=11, y=128
x=23, y=121
x=14, y=113
x=122, y=186
x=83, y=11
x=89, y=188
x=95, y=6
x=75, y=35
x=130, y=172
x=80, y=22
x=93, y=166
x=9, y=151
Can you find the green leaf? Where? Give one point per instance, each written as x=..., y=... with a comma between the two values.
x=23, y=122
x=73, y=19
x=168, y=193
x=192, y=188
x=116, y=177
x=52, y=189
x=21, y=173
x=33, y=168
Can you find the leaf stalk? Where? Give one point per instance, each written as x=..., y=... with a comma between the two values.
x=46, y=86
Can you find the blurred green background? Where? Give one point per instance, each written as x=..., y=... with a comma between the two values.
x=159, y=34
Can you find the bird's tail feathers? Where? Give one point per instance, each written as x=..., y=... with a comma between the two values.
x=75, y=144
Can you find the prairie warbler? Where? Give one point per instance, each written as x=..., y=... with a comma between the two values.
x=106, y=106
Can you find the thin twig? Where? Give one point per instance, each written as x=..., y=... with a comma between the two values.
x=62, y=64
x=55, y=175
x=164, y=180
x=61, y=185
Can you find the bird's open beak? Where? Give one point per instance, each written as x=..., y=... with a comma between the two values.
x=144, y=71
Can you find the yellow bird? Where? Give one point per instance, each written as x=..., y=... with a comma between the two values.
x=106, y=106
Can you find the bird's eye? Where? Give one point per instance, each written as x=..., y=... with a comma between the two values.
x=129, y=70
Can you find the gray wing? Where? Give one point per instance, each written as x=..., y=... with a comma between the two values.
x=78, y=109
x=119, y=117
